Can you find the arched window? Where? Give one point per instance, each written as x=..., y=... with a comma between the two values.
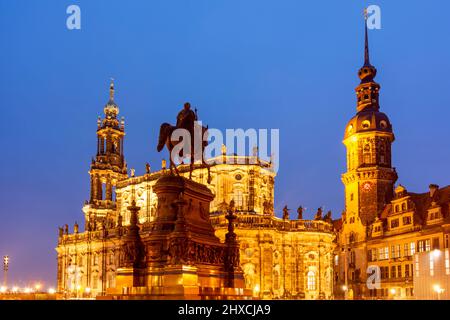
x=311, y=281
x=276, y=279
x=95, y=281
x=397, y=208
x=403, y=206
x=366, y=154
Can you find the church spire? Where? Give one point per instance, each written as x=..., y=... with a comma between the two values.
x=368, y=89
x=366, y=46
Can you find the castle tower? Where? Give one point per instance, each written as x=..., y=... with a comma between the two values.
x=369, y=180
x=108, y=167
x=370, y=177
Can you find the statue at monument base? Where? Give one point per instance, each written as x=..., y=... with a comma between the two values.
x=177, y=256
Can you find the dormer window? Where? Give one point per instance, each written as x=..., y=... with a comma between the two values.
x=434, y=215
x=407, y=220
x=394, y=223
x=403, y=206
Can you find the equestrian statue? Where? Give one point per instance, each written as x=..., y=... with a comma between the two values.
x=187, y=119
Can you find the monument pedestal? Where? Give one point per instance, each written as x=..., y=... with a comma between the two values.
x=181, y=257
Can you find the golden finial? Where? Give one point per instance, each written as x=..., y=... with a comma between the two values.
x=163, y=164
x=366, y=15
x=111, y=89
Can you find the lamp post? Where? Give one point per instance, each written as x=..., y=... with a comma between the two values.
x=437, y=288
x=5, y=270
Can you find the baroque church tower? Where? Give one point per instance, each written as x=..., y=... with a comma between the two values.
x=370, y=177
x=107, y=168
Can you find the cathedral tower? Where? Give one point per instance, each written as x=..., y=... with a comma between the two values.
x=370, y=177
x=108, y=167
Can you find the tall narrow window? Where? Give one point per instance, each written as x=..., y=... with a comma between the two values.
x=238, y=199
x=413, y=248
x=311, y=281
x=94, y=281
x=417, y=266
x=431, y=265
x=447, y=263
x=366, y=154
x=382, y=154
x=427, y=245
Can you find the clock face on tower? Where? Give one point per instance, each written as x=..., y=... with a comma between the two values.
x=367, y=186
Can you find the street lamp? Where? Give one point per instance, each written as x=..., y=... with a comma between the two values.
x=5, y=269
x=437, y=288
x=37, y=287
x=436, y=253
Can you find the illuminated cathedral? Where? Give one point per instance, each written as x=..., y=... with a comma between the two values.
x=279, y=257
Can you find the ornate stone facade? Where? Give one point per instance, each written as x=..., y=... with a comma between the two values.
x=279, y=258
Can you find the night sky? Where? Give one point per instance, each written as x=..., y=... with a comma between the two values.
x=243, y=64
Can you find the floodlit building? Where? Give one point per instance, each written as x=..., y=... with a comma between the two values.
x=280, y=258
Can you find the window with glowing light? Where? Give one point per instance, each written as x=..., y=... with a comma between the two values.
x=447, y=263
x=311, y=281
x=238, y=198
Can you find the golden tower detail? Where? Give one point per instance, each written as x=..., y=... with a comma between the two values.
x=107, y=168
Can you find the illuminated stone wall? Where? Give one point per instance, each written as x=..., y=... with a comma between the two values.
x=280, y=258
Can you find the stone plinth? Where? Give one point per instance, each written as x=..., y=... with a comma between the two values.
x=183, y=259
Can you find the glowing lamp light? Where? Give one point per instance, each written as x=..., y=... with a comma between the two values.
x=256, y=288
x=87, y=290
x=436, y=253
x=28, y=290
x=393, y=291
x=51, y=291
x=3, y=289
x=437, y=288
x=345, y=288
x=15, y=289
x=38, y=287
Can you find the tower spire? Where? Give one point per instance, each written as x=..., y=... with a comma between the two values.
x=366, y=45
x=111, y=90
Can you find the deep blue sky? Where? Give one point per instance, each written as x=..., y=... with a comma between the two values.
x=249, y=64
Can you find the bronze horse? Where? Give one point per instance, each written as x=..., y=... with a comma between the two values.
x=165, y=134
